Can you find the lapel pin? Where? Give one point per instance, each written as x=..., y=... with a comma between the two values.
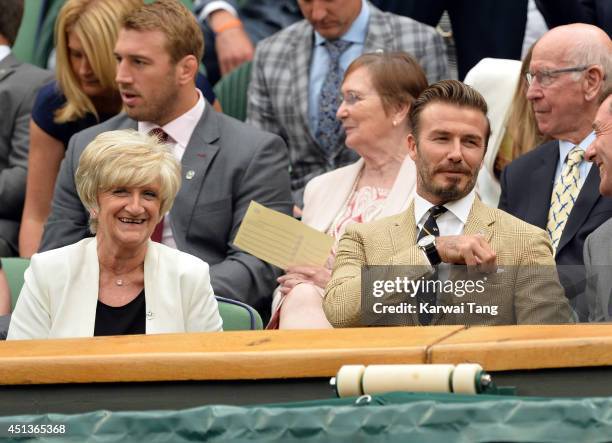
x=190, y=174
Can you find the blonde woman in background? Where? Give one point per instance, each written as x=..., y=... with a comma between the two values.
x=83, y=95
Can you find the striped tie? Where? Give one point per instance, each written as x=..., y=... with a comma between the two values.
x=430, y=227
x=564, y=195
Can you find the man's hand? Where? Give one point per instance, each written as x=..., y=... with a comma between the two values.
x=297, y=211
x=232, y=44
x=316, y=275
x=471, y=250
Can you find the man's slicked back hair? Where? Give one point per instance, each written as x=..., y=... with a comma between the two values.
x=451, y=92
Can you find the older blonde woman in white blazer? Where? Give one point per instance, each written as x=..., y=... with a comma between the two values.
x=118, y=282
x=377, y=91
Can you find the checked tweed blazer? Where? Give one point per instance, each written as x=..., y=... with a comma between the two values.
x=525, y=288
x=278, y=91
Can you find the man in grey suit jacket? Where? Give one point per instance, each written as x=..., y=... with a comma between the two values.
x=288, y=74
x=598, y=245
x=226, y=163
x=19, y=83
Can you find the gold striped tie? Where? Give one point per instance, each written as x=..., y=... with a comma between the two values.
x=564, y=195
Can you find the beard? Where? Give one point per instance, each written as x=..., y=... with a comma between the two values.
x=157, y=108
x=453, y=189
x=159, y=105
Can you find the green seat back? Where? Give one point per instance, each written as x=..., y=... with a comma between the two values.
x=14, y=268
x=25, y=44
x=231, y=91
x=46, y=33
x=238, y=316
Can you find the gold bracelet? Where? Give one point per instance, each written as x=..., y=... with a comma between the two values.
x=229, y=24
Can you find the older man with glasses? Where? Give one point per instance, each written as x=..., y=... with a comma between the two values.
x=553, y=186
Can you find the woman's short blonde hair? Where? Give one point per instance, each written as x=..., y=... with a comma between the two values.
x=96, y=23
x=126, y=158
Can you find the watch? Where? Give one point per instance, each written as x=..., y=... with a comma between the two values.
x=428, y=246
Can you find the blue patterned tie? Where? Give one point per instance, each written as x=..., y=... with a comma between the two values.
x=329, y=128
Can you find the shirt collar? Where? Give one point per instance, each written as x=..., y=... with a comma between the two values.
x=4, y=52
x=459, y=208
x=181, y=128
x=357, y=32
x=565, y=147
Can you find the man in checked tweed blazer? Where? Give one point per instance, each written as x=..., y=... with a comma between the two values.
x=512, y=258
x=279, y=97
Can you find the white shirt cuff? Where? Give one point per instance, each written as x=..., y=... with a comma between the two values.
x=216, y=6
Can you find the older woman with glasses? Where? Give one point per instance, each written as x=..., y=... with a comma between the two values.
x=118, y=282
x=377, y=92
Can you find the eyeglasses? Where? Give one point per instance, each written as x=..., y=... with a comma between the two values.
x=351, y=98
x=546, y=78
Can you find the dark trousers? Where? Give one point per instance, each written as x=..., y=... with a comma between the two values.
x=481, y=28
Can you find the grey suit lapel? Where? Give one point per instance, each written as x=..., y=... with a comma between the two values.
x=199, y=153
x=8, y=66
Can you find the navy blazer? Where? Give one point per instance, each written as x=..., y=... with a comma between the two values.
x=526, y=189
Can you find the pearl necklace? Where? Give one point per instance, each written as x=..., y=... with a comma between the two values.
x=122, y=281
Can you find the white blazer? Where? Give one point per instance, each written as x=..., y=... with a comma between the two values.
x=326, y=194
x=60, y=293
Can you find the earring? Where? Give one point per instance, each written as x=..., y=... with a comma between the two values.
x=93, y=213
x=394, y=122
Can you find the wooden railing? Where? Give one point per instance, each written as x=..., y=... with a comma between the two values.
x=297, y=354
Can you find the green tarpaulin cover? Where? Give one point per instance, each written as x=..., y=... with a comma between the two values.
x=391, y=417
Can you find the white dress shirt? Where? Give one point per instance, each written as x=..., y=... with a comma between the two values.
x=449, y=223
x=585, y=166
x=4, y=52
